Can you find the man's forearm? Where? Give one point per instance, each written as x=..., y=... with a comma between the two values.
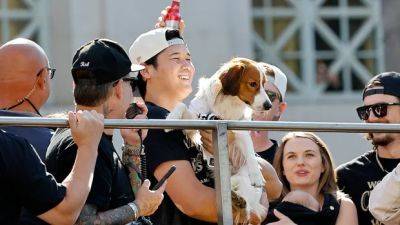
x=121, y=215
x=131, y=159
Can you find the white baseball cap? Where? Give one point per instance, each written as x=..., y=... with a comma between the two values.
x=278, y=79
x=151, y=43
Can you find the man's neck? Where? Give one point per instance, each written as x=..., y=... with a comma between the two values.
x=24, y=107
x=161, y=100
x=99, y=109
x=261, y=141
x=390, y=151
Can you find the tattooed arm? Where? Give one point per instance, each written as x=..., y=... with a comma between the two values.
x=147, y=202
x=120, y=215
x=131, y=160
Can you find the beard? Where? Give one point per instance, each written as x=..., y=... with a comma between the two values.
x=380, y=139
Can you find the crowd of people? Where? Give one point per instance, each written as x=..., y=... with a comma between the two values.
x=75, y=175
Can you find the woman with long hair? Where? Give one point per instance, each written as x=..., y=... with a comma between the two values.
x=304, y=165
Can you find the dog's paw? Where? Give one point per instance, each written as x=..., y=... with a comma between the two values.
x=240, y=209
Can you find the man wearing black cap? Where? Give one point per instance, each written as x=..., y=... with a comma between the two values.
x=103, y=77
x=358, y=177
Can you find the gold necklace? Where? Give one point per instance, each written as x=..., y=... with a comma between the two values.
x=379, y=162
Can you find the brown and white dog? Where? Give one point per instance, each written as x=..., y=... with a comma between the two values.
x=230, y=94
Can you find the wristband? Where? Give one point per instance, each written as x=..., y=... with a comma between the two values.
x=135, y=209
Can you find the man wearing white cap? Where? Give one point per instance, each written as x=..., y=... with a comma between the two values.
x=165, y=82
x=276, y=90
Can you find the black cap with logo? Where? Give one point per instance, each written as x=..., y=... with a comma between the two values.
x=387, y=83
x=104, y=60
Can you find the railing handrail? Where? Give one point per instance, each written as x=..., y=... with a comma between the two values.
x=220, y=128
x=211, y=124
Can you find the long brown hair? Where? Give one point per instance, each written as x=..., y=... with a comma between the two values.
x=327, y=180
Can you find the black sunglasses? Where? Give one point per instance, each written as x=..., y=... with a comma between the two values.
x=379, y=110
x=273, y=95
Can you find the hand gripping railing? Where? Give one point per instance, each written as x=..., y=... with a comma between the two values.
x=220, y=128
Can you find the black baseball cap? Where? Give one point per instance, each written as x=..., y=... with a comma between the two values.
x=105, y=60
x=387, y=83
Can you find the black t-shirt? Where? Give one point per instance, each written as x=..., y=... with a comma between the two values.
x=162, y=147
x=110, y=188
x=24, y=181
x=302, y=215
x=358, y=177
x=269, y=154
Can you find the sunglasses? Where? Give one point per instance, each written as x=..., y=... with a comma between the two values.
x=273, y=95
x=379, y=110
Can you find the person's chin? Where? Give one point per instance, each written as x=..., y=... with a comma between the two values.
x=379, y=140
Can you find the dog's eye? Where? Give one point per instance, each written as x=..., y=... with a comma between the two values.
x=253, y=84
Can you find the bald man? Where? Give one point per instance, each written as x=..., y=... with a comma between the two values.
x=25, y=87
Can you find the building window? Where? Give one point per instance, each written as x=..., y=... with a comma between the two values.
x=24, y=18
x=325, y=47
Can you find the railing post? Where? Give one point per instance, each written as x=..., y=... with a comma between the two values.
x=222, y=174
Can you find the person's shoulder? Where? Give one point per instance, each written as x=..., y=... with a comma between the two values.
x=156, y=112
x=347, y=205
x=357, y=163
x=14, y=148
x=8, y=140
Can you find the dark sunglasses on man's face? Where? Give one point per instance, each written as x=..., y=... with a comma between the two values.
x=379, y=110
x=273, y=95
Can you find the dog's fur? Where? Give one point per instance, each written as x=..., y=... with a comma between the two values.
x=236, y=88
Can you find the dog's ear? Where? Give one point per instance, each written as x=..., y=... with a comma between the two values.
x=230, y=80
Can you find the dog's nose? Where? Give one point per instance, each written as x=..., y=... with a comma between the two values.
x=267, y=105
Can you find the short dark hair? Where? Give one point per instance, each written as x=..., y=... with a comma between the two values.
x=153, y=61
x=88, y=93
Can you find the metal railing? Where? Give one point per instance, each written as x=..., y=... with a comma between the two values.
x=220, y=129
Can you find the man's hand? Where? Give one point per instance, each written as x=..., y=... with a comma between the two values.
x=86, y=128
x=161, y=20
x=148, y=200
x=131, y=136
x=283, y=220
x=207, y=140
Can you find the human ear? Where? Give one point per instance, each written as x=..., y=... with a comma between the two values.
x=146, y=72
x=118, y=92
x=41, y=81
